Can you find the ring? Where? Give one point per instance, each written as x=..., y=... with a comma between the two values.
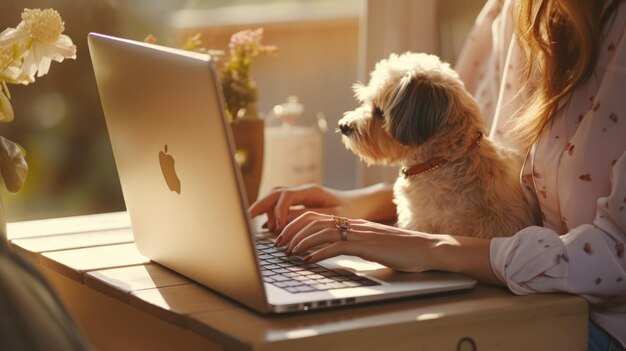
x=343, y=226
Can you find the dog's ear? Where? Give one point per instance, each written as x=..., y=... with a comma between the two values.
x=418, y=110
x=360, y=91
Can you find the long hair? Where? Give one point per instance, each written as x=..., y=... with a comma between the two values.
x=560, y=41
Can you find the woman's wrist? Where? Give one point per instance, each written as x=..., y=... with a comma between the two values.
x=465, y=255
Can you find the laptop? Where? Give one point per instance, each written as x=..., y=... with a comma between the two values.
x=184, y=193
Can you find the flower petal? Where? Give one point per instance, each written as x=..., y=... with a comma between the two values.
x=12, y=36
x=29, y=67
x=37, y=59
x=10, y=74
x=65, y=47
x=44, y=65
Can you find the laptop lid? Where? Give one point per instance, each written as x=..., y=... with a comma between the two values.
x=173, y=153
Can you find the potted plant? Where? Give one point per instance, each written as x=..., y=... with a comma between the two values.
x=25, y=53
x=241, y=95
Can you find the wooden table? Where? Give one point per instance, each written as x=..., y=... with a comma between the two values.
x=125, y=302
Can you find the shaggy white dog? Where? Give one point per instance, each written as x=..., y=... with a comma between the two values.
x=415, y=113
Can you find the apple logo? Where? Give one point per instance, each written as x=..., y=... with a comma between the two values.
x=169, y=171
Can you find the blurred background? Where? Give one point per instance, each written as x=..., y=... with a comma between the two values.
x=324, y=46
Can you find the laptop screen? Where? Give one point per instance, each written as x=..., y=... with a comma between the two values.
x=174, y=156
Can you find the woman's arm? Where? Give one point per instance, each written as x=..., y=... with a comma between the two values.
x=588, y=260
x=394, y=247
x=285, y=204
x=373, y=203
x=462, y=254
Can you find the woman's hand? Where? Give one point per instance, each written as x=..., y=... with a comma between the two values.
x=396, y=248
x=393, y=247
x=285, y=204
x=311, y=197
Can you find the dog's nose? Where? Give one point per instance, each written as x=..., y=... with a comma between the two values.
x=346, y=129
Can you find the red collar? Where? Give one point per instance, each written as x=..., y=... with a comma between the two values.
x=435, y=162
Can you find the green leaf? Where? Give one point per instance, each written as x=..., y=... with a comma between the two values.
x=13, y=166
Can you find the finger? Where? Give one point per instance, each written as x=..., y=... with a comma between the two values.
x=307, y=195
x=285, y=200
x=305, y=222
x=302, y=242
x=264, y=205
x=271, y=222
x=323, y=231
x=308, y=219
x=295, y=213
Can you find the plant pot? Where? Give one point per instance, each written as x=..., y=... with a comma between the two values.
x=249, y=135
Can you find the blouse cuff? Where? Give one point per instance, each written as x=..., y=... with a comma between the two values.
x=519, y=259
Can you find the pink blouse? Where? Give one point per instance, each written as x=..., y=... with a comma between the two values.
x=574, y=175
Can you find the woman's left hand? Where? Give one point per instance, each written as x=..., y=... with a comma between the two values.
x=399, y=249
x=393, y=247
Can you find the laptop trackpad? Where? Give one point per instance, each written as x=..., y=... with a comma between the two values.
x=381, y=273
x=352, y=263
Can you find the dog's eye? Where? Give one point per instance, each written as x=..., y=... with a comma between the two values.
x=378, y=113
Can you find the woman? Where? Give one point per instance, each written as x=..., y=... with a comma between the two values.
x=558, y=67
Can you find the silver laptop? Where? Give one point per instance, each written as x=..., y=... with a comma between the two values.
x=183, y=191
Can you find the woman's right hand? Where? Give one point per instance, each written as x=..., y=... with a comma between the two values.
x=279, y=203
x=283, y=205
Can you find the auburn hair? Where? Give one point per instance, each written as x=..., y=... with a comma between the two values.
x=560, y=41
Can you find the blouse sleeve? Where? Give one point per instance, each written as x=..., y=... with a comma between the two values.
x=588, y=260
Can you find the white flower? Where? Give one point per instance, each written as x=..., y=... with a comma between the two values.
x=26, y=51
x=40, y=37
x=10, y=71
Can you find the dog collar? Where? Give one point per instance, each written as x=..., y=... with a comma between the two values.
x=435, y=162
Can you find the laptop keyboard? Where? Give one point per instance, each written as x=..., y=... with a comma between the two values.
x=296, y=276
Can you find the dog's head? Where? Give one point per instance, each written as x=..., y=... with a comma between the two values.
x=411, y=101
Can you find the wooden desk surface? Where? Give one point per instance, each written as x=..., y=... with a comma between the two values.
x=97, y=254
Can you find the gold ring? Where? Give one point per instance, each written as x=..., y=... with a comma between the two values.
x=343, y=226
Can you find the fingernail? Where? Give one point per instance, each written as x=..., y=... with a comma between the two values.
x=278, y=240
x=307, y=258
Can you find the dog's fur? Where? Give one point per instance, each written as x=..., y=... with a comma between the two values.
x=415, y=108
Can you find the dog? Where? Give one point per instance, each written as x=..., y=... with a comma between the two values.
x=416, y=113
